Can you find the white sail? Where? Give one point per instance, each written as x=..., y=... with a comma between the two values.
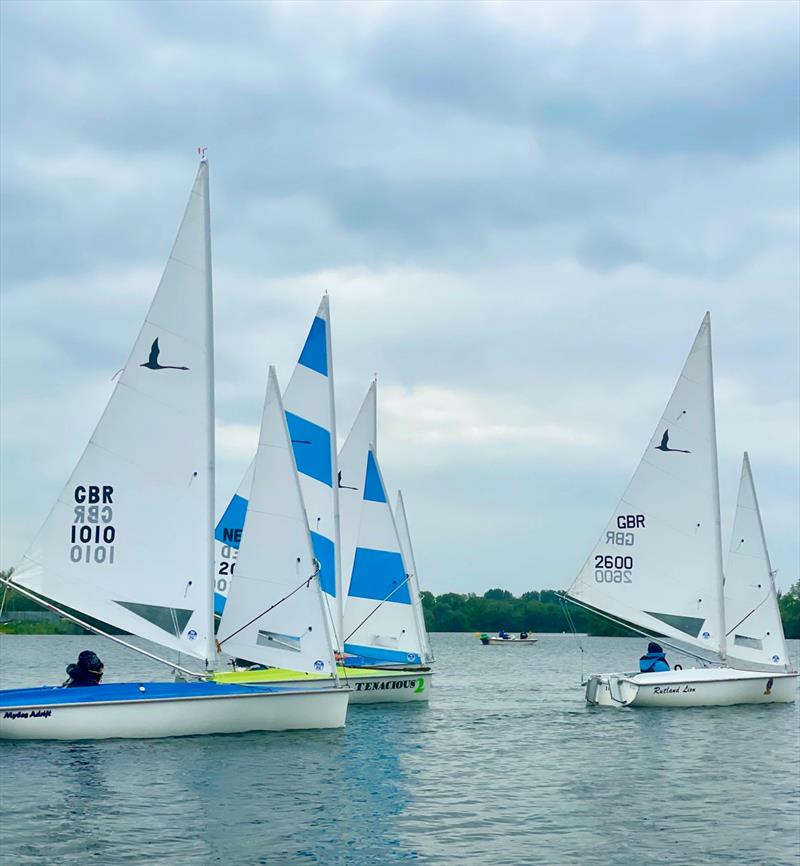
x=379, y=626
x=352, y=458
x=411, y=564
x=755, y=630
x=276, y=564
x=309, y=405
x=126, y=542
x=658, y=561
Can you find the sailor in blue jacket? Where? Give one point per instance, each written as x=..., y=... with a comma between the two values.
x=654, y=660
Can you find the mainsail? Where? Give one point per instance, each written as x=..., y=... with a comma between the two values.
x=352, y=455
x=379, y=626
x=755, y=630
x=411, y=564
x=276, y=565
x=309, y=406
x=658, y=561
x=126, y=542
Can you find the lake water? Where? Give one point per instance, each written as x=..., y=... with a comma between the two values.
x=505, y=766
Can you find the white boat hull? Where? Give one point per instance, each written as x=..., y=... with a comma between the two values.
x=693, y=687
x=368, y=686
x=512, y=641
x=145, y=718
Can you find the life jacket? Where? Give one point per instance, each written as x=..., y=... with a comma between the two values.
x=653, y=662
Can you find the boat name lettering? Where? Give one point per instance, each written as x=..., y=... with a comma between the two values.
x=92, y=534
x=630, y=521
x=390, y=684
x=672, y=690
x=621, y=539
x=32, y=714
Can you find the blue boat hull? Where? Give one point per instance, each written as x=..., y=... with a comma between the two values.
x=164, y=709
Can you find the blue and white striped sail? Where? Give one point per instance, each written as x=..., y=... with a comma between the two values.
x=407, y=549
x=276, y=564
x=379, y=619
x=309, y=406
x=352, y=459
x=755, y=636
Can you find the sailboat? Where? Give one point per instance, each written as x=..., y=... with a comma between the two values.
x=658, y=564
x=129, y=541
x=275, y=613
x=310, y=413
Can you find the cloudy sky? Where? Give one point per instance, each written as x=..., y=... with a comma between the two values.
x=520, y=212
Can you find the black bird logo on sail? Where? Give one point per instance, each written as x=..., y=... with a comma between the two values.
x=152, y=361
x=664, y=446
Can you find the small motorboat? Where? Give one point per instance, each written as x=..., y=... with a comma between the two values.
x=503, y=639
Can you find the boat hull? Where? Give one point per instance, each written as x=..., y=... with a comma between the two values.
x=369, y=686
x=514, y=641
x=694, y=687
x=151, y=710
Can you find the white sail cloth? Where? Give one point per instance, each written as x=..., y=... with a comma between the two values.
x=656, y=563
x=276, y=565
x=126, y=540
x=752, y=616
x=407, y=549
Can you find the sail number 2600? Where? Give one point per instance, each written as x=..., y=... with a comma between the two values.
x=613, y=569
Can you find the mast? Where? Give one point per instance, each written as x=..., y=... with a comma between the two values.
x=337, y=535
x=210, y=647
x=715, y=489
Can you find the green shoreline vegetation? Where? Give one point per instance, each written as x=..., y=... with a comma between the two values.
x=539, y=611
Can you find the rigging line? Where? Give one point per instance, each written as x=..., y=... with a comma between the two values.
x=93, y=628
x=399, y=586
x=3, y=602
x=610, y=618
x=306, y=583
x=337, y=661
x=571, y=624
x=747, y=616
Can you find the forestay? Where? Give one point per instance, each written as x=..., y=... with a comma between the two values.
x=407, y=550
x=362, y=435
x=380, y=626
x=658, y=561
x=755, y=630
x=126, y=542
x=276, y=562
x=309, y=407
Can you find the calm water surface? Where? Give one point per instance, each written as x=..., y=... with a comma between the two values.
x=505, y=766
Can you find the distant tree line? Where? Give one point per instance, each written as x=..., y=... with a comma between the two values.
x=543, y=611
x=535, y=611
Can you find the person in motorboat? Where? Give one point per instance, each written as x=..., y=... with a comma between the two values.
x=87, y=672
x=655, y=659
x=523, y=635
x=504, y=635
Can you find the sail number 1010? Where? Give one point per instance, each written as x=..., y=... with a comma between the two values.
x=613, y=569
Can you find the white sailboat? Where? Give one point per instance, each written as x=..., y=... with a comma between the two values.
x=658, y=563
x=312, y=429
x=129, y=540
x=275, y=614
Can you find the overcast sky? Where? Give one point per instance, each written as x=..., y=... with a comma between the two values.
x=520, y=212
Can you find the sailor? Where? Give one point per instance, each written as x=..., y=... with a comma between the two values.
x=654, y=660
x=87, y=672
x=523, y=635
x=503, y=634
